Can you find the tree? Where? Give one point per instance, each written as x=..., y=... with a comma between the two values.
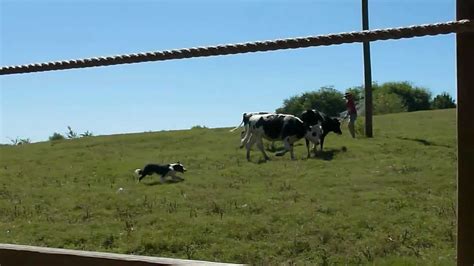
x=56, y=136
x=293, y=105
x=413, y=98
x=443, y=101
x=326, y=99
x=87, y=134
x=386, y=103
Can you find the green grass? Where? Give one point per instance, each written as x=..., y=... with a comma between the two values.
x=385, y=201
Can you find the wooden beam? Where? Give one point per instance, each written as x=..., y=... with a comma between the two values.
x=465, y=136
x=31, y=255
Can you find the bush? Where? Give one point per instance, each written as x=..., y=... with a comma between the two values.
x=87, y=134
x=359, y=126
x=390, y=97
x=443, y=101
x=395, y=97
x=385, y=103
x=56, y=136
x=326, y=99
x=413, y=98
x=199, y=127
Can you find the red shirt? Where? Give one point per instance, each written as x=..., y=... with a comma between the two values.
x=351, y=108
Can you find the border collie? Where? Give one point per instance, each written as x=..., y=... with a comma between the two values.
x=163, y=170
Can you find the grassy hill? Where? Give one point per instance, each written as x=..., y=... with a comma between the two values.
x=388, y=200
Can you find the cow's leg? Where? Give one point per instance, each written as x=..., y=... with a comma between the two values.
x=249, y=144
x=307, y=147
x=260, y=147
x=291, y=151
x=287, y=147
x=322, y=142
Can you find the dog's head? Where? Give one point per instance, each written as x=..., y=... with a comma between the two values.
x=138, y=171
x=178, y=167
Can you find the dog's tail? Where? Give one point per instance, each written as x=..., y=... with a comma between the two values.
x=138, y=171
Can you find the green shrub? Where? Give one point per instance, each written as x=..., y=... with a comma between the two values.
x=413, y=98
x=360, y=126
x=199, y=127
x=56, y=136
x=385, y=103
x=87, y=134
x=326, y=99
x=443, y=101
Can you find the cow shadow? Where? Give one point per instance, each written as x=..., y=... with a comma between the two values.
x=327, y=154
x=269, y=148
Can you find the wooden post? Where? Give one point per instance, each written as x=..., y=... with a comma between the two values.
x=367, y=72
x=465, y=136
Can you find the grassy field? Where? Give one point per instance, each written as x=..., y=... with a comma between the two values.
x=387, y=200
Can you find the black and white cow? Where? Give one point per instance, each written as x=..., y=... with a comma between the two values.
x=286, y=128
x=312, y=117
x=245, y=123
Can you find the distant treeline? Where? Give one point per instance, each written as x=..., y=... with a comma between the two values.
x=389, y=97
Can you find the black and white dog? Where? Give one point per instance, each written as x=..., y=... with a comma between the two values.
x=163, y=170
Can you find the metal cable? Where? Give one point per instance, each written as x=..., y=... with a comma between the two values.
x=259, y=46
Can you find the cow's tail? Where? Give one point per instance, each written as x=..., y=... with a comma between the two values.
x=239, y=126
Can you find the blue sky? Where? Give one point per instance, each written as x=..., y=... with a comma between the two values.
x=203, y=91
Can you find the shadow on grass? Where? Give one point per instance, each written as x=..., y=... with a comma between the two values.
x=167, y=182
x=328, y=154
x=424, y=142
x=269, y=148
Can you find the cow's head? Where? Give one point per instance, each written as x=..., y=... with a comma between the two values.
x=335, y=126
x=314, y=133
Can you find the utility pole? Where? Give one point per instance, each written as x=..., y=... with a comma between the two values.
x=465, y=133
x=367, y=73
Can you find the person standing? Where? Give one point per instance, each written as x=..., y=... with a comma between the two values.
x=351, y=112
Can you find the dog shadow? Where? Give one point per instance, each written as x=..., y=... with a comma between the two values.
x=167, y=182
x=327, y=154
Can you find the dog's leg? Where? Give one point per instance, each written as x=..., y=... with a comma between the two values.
x=162, y=179
x=141, y=177
x=175, y=177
